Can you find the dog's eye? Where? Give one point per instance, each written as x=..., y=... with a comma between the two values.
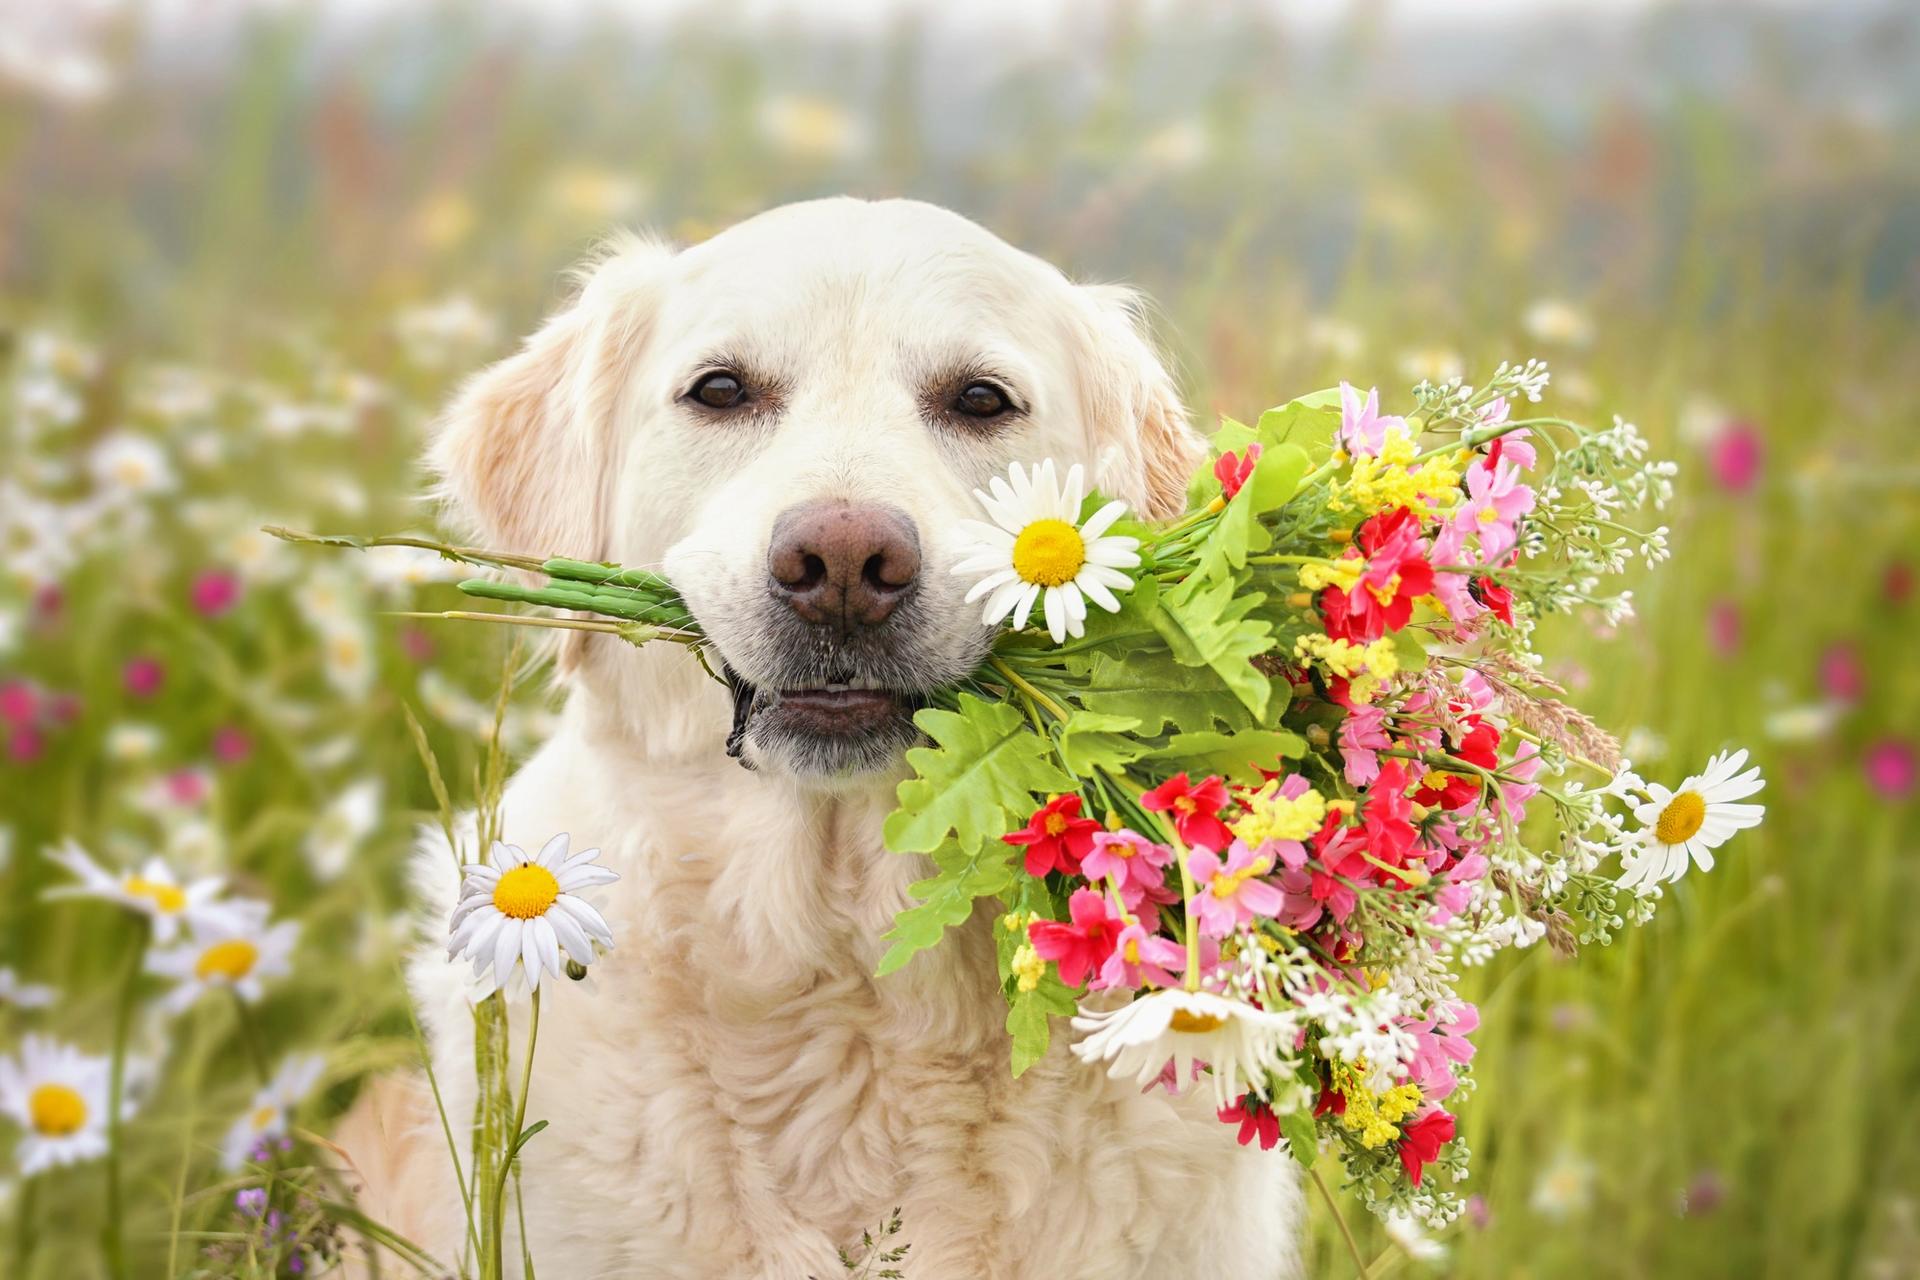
x=720, y=390
x=982, y=400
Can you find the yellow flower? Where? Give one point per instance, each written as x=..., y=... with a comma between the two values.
x=1272, y=816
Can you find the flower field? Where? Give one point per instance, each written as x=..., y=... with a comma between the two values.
x=244, y=263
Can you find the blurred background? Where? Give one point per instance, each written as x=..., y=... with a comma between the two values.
x=246, y=249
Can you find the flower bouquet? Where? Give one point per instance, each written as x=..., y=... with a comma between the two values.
x=1249, y=789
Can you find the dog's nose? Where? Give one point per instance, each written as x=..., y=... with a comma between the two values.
x=843, y=564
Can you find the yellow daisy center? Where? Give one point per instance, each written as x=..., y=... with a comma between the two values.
x=1049, y=553
x=231, y=958
x=168, y=898
x=1680, y=821
x=525, y=892
x=1195, y=1023
x=265, y=1117
x=56, y=1110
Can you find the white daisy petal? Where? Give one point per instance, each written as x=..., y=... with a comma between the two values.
x=1102, y=520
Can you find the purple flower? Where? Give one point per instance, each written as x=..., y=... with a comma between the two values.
x=251, y=1201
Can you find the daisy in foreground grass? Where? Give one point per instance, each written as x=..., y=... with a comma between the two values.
x=152, y=891
x=1035, y=552
x=235, y=951
x=268, y=1118
x=521, y=911
x=1690, y=821
x=58, y=1097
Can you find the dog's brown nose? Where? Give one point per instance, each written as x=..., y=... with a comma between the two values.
x=843, y=564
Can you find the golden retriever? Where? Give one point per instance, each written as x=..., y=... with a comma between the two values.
x=790, y=418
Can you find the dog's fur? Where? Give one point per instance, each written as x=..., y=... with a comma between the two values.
x=741, y=1095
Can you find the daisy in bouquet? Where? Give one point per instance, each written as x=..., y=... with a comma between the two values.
x=1250, y=789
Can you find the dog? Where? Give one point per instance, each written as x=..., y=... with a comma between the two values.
x=789, y=419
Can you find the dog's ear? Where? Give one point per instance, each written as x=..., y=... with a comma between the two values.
x=524, y=454
x=1140, y=427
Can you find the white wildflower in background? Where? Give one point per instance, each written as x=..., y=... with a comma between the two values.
x=523, y=911
x=153, y=891
x=1690, y=821
x=131, y=743
x=1139, y=1039
x=1405, y=1230
x=1432, y=364
x=441, y=333
x=236, y=953
x=58, y=1097
x=269, y=1116
x=346, y=650
x=397, y=568
x=1336, y=339
x=1034, y=552
x=126, y=465
x=811, y=128
x=24, y=995
x=342, y=827
x=1557, y=321
x=1565, y=1187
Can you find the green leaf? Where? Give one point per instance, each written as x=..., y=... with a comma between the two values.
x=1149, y=686
x=946, y=898
x=987, y=768
x=1028, y=1014
x=1091, y=740
x=1238, y=756
x=1308, y=422
x=1303, y=1138
x=1238, y=532
x=525, y=1134
x=1209, y=627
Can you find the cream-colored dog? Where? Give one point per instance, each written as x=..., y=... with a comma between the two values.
x=790, y=418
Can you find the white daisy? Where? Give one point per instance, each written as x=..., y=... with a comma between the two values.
x=153, y=891
x=58, y=1097
x=1689, y=822
x=1238, y=1041
x=342, y=827
x=126, y=465
x=24, y=995
x=1034, y=550
x=524, y=910
x=269, y=1116
x=237, y=953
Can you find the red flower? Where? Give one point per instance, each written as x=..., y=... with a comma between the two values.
x=1480, y=745
x=1056, y=837
x=1195, y=809
x=1497, y=599
x=1083, y=946
x=1397, y=573
x=1420, y=1142
x=1232, y=472
x=1256, y=1119
x=1387, y=817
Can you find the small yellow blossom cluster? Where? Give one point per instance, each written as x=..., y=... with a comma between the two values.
x=1391, y=478
x=1374, y=1116
x=1365, y=666
x=1026, y=964
x=1341, y=573
x=1271, y=816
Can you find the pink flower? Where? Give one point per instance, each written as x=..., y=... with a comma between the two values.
x=1842, y=677
x=1232, y=892
x=1723, y=627
x=1256, y=1120
x=1890, y=768
x=1082, y=946
x=1525, y=766
x=1734, y=456
x=213, y=592
x=143, y=676
x=1440, y=1045
x=1495, y=502
x=186, y=787
x=1363, y=429
x=231, y=745
x=19, y=702
x=416, y=644
x=1515, y=446
x=25, y=743
x=1140, y=959
x=1362, y=734
x=1130, y=861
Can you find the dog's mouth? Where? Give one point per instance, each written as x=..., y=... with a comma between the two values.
x=845, y=718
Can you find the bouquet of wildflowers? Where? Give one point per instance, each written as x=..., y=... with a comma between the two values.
x=1251, y=788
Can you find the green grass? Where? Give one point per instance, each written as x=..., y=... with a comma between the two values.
x=1738, y=1077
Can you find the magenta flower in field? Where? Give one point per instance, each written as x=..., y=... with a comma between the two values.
x=231, y=744
x=1735, y=456
x=143, y=676
x=25, y=743
x=19, y=702
x=214, y=591
x=1890, y=768
x=1724, y=627
x=1842, y=677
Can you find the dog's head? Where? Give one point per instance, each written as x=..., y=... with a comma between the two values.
x=789, y=419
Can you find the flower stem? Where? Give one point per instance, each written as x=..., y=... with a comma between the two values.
x=251, y=1038
x=114, y=1232
x=1346, y=1232
x=23, y=1219
x=511, y=1155
x=1025, y=686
